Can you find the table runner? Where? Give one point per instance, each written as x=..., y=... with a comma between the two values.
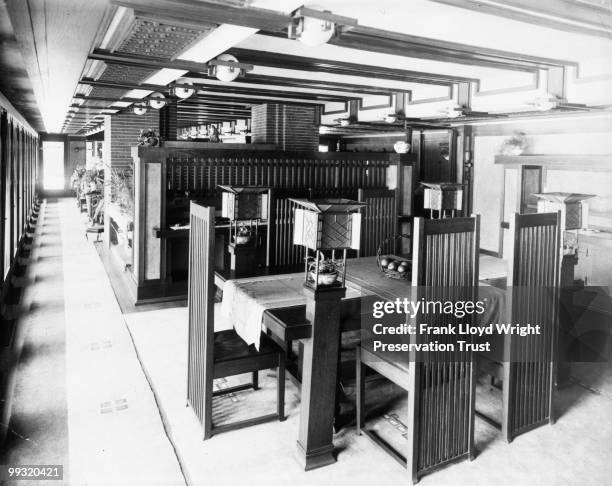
x=246, y=299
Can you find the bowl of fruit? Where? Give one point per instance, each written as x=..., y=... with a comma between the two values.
x=391, y=265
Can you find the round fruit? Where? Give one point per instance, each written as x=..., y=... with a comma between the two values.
x=385, y=261
x=392, y=266
x=402, y=268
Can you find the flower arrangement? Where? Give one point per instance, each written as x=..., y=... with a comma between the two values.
x=243, y=234
x=514, y=145
x=122, y=193
x=76, y=178
x=148, y=138
x=329, y=269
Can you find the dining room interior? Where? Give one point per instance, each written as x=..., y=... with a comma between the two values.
x=265, y=242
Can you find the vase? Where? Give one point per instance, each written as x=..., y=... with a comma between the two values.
x=324, y=278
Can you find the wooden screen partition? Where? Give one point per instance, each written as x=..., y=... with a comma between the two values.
x=18, y=212
x=529, y=362
x=201, y=290
x=441, y=394
x=379, y=220
x=167, y=178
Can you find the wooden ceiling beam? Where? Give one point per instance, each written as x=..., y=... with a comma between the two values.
x=382, y=41
x=145, y=61
x=311, y=64
x=193, y=99
x=262, y=79
x=221, y=89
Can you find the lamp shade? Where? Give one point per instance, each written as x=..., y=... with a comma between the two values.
x=140, y=108
x=157, y=101
x=327, y=224
x=226, y=73
x=574, y=212
x=440, y=196
x=244, y=202
x=315, y=32
x=183, y=89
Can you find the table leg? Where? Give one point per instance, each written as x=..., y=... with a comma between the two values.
x=319, y=375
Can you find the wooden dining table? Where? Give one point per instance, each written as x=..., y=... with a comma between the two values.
x=276, y=305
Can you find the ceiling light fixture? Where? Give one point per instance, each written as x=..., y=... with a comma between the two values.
x=157, y=101
x=227, y=68
x=182, y=89
x=139, y=108
x=313, y=26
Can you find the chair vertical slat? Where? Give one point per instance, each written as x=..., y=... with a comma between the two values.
x=444, y=268
x=200, y=299
x=534, y=274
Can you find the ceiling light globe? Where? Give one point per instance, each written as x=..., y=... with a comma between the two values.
x=226, y=73
x=183, y=89
x=140, y=109
x=157, y=101
x=316, y=31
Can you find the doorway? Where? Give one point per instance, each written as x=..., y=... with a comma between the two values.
x=53, y=166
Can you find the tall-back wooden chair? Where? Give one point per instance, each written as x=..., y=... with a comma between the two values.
x=219, y=354
x=527, y=365
x=378, y=220
x=440, y=390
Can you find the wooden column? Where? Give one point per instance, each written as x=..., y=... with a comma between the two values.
x=315, y=444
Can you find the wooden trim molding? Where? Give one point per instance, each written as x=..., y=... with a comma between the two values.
x=361, y=107
x=578, y=162
x=516, y=89
x=335, y=112
x=449, y=97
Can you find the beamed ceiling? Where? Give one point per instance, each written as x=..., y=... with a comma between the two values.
x=110, y=54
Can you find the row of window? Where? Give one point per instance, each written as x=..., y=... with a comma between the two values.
x=18, y=166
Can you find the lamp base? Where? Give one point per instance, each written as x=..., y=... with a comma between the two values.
x=242, y=257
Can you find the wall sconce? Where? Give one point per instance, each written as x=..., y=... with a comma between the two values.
x=314, y=27
x=326, y=225
x=157, y=101
x=227, y=68
x=139, y=108
x=182, y=89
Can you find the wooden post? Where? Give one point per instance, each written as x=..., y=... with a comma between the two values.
x=315, y=444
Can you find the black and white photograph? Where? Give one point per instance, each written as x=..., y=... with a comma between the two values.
x=276, y=242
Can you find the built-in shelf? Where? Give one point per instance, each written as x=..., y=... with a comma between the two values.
x=585, y=162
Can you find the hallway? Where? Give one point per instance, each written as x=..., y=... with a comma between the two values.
x=69, y=408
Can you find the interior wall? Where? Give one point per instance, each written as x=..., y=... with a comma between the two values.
x=489, y=177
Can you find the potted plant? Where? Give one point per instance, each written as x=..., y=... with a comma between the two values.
x=328, y=269
x=243, y=235
x=514, y=145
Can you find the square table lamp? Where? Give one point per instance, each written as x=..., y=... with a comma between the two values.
x=326, y=225
x=443, y=196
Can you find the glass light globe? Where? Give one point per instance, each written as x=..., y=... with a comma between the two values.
x=183, y=89
x=157, y=101
x=140, y=109
x=316, y=31
x=226, y=73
